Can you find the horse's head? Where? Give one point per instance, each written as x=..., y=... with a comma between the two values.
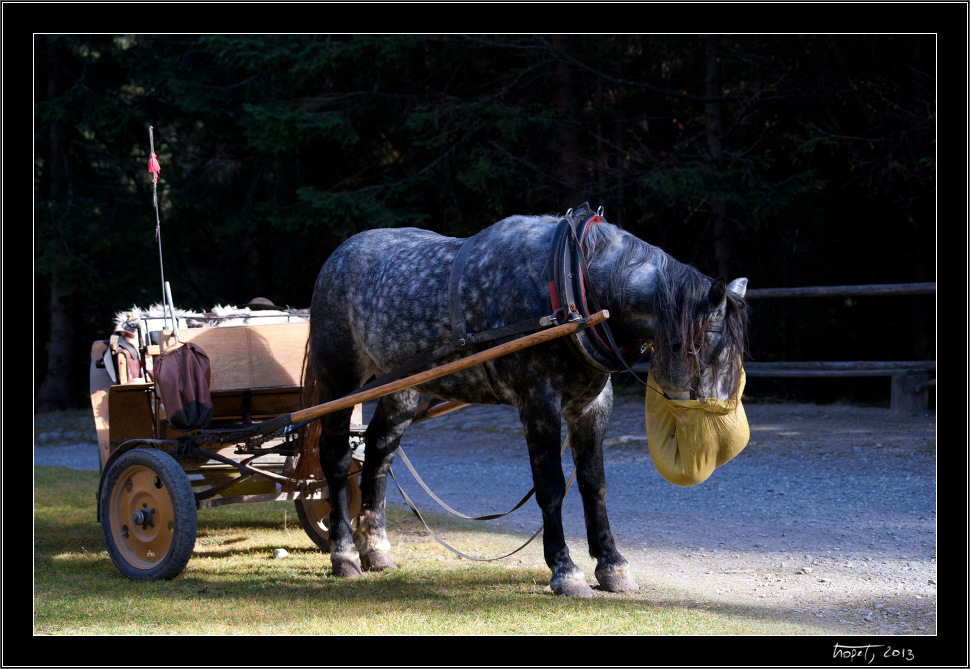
x=698, y=351
x=697, y=326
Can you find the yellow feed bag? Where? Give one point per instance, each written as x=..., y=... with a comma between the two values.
x=688, y=439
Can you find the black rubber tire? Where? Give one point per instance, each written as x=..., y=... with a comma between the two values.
x=148, y=481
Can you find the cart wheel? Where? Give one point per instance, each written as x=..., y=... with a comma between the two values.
x=314, y=514
x=148, y=516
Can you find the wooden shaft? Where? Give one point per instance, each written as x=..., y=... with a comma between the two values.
x=439, y=410
x=449, y=368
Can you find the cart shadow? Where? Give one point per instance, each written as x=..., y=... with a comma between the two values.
x=226, y=549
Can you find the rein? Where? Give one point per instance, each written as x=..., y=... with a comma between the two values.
x=492, y=516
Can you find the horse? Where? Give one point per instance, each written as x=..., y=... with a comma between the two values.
x=386, y=296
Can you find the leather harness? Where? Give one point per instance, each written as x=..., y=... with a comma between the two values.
x=571, y=294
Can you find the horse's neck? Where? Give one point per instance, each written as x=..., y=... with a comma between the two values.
x=634, y=296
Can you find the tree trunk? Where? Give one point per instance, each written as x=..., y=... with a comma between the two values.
x=715, y=148
x=54, y=391
x=570, y=161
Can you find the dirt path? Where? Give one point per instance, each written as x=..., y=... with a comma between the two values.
x=828, y=516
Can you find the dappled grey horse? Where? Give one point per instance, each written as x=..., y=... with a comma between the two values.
x=389, y=296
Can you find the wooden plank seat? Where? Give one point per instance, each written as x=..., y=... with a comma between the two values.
x=255, y=374
x=255, y=369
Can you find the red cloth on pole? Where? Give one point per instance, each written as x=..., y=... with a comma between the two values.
x=154, y=167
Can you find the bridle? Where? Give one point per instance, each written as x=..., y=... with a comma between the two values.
x=572, y=296
x=675, y=345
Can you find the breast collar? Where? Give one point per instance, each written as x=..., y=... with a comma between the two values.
x=571, y=294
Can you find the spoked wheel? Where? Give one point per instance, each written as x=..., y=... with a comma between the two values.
x=314, y=514
x=148, y=515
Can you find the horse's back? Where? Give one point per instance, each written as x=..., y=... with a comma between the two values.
x=383, y=296
x=402, y=274
x=423, y=254
x=365, y=250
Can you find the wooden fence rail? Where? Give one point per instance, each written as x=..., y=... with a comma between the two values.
x=840, y=291
x=910, y=379
x=852, y=368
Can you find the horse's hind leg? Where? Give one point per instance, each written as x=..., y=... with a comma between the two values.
x=335, y=460
x=382, y=438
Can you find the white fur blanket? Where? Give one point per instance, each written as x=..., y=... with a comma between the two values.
x=156, y=317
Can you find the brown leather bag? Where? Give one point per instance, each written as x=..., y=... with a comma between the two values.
x=182, y=381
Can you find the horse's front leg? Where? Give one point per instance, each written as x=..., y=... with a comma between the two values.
x=542, y=424
x=382, y=438
x=586, y=433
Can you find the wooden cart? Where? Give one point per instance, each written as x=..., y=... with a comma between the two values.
x=155, y=479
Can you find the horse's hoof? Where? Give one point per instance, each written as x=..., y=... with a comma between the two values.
x=620, y=580
x=574, y=586
x=345, y=567
x=377, y=561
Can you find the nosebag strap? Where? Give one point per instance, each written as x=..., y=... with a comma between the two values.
x=689, y=439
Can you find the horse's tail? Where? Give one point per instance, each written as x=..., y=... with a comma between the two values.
x=307, y=448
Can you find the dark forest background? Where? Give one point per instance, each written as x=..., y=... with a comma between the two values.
x=794, y=160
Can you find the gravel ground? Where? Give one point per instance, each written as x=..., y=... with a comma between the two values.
x=827, y=517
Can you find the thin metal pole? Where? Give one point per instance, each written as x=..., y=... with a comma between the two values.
x=155, y=169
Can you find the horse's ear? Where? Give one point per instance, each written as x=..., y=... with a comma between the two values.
x=717, y=292
x=738, y=287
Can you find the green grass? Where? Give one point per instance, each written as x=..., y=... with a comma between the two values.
x=234, y=585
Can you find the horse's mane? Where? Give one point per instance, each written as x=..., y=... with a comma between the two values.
x=681, y=301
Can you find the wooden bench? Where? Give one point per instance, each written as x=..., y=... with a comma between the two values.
x=256, y=373
x=256, y=370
